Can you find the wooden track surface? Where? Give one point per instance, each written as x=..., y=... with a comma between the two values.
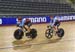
x=40, y=43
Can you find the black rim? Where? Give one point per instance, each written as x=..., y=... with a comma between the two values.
x=60, y=33
x=18, y=34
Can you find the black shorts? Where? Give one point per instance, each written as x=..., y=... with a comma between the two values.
x=57, y=23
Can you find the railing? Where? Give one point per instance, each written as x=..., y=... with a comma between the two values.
x=22, y=7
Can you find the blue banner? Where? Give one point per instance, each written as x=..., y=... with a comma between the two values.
x=34, y=19
x=9, y=21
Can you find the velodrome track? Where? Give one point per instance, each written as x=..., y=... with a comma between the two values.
x=40, y=43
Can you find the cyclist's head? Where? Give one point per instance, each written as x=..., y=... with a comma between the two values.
x=51, y=17
x=19, y=18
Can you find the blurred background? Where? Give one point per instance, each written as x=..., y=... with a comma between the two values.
x=37, y=7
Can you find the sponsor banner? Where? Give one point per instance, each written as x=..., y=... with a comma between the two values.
x=66, y=18
x=0, y=21
x=8, y=21
x=34, y=19
x=37, y=19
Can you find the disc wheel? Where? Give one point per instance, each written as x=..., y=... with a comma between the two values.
x=18, y=34
x=60, y=32
x=33, y=33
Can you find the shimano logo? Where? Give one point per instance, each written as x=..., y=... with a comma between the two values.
x=67, y=18
x=37, y=19
x=0, y=21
